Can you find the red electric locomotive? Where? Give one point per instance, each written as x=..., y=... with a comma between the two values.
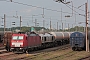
x=24, y=42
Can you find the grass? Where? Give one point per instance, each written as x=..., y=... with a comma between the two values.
x=60, y=55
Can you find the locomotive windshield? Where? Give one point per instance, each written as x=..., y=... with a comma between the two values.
x=17, y=37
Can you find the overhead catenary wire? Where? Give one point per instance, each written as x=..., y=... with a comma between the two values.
x=75, y=11
x=77, y=7
x=40, y=7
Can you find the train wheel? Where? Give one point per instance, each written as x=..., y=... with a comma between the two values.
x=8, y=48
x=24, y=51
x=73, y=48
x=80, y=49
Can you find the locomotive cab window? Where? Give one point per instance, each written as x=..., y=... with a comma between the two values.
x=44, y=38
x=17, y=37
x=52, y=38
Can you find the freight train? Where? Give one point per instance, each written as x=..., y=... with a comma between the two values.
x=26, y=42
x=78, y=40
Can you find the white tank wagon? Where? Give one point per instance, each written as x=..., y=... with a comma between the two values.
x=61, y=37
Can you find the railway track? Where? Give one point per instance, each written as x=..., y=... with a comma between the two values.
x=9, y=56
x=2, y=46
x=3, y=51
x=56, y=53
x=5, y=54
x=69, y=54
x=33, y=54
x=86, y=58
x=45, y=52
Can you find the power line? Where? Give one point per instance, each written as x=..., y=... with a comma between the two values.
x=38, y=7
x=75, y=11
x=76, y=8
x=46, y=8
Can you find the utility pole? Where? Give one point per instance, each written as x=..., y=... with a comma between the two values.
x=61, y=19
x=20, y=23
x=50, y=23
x=68, y=27
x=72, y=8
x=32, y=18
x=72, y=25
x=61, y=14
x=57, y=26
x=4, y=23
x=75, y=22
x=87, y=40
x=35, y=22
x=43, y=23
x=62, y=26
x=43, y=18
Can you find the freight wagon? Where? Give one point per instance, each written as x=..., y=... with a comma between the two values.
x=61, y=37
x=7, y=39
x=1, y=36
x=1, y=39
x=78, y=40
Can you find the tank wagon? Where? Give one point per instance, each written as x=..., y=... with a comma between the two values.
x=78, y=40
x=27, y=42
x=61, y=37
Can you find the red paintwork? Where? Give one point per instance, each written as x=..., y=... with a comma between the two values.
x=24, y=41
x=28, y=41
x=34, y=41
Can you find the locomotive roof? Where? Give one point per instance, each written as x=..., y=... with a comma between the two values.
x=46, y=34
x=16, y=34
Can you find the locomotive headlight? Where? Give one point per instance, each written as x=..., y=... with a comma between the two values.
x=13, y=45
x=4, y=44
x=21, y=45
x=21, y=48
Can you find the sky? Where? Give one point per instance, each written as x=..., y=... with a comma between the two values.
x=43, y=10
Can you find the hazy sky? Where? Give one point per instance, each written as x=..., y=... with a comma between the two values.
x=34, y=8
